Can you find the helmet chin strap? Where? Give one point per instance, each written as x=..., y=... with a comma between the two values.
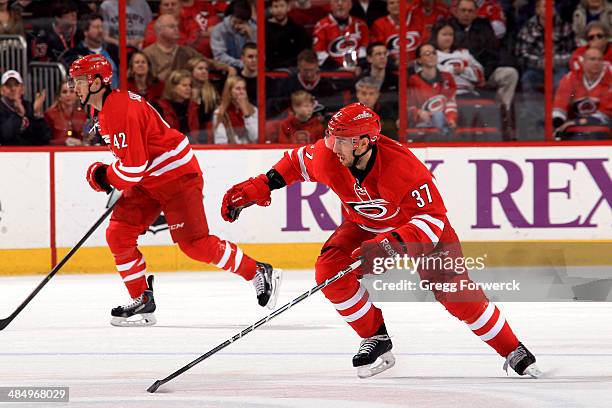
x=103, y=87
x=359, y=156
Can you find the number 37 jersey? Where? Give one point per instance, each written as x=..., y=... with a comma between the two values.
x=395, y=192
x=148, y=152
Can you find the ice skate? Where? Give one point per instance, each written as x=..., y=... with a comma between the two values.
x=523, y=362
x=139, y=312
x=370, y=350
x=267, y=282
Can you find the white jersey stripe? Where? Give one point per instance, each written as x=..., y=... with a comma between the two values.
x=133, y=170
x=123, y=177
x=300, y=155
x=431, y=219
x=164, y=156
x=425, y=228
x=173, y=165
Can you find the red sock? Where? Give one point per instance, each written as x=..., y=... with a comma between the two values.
x=492, y=328
x=225, y=254
x=133, y=271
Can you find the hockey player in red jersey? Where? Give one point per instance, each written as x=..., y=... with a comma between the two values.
x=156, y=169
x=388, y=198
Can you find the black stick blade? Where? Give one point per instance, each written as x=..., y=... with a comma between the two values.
x=155, y=386
x=4, y=323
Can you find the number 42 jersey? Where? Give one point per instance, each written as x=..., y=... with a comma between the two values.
x=395, y=191
x=148, y=152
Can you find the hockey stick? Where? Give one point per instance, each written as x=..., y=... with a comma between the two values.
x=255, y=325
x=8, y=320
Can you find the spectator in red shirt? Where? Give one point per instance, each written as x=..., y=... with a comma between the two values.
x=386, y=31
x=177, y=107
x=66, y=118
x=583, y=103
x=188, y=28
x=431, y=94
x=302, y=126
x=205, y=15
x=428, y=13
x=142, y=80
x=339, y=39
x=305, y=14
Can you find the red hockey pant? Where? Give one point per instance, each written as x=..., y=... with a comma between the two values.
x=181, y=200
x=351, y=299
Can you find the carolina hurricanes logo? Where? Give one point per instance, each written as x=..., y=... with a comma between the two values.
x=435, y=104
x=586, y=106
x=373, y=209
x=343, y=44
x=452, y=62
x=413, y=39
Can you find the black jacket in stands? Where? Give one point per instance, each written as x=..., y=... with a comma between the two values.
x=21, y=131
x=376, y=9
x=284, y=43
x=480, y=40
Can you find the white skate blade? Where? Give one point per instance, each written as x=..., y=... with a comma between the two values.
x=533, y=371
x=277, y=279
x=388, y=361
x=139, y=320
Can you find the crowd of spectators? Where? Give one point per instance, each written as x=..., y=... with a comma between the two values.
x=474, y=66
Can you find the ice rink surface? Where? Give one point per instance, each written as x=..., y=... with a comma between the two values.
x=300, y=359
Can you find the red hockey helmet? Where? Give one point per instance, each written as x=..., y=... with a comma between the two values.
x=91, y=66
x=353, y=122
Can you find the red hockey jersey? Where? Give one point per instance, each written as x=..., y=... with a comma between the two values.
x=148, y=151
x=575, y=97
x=397, y=193
x=427, y=17
x=331, y=41
x=386, y=30
x=292, y=131
x=436, y=96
